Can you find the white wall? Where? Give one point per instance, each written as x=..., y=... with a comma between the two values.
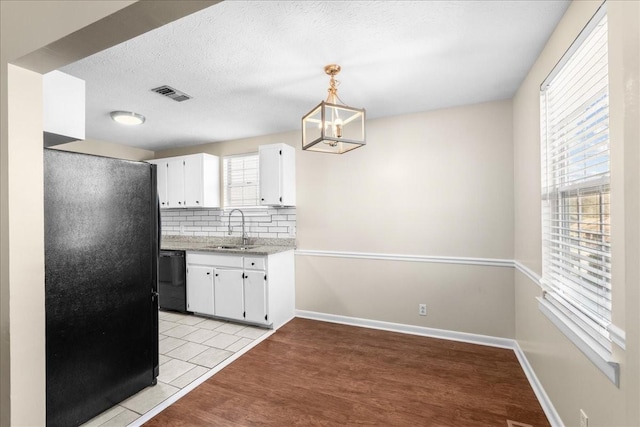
x=25, y=27
x=430, y=184
x=570, y=379
x=26, y=307
x=434, y=183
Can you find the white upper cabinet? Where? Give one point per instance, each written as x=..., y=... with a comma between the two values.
x=63, y=108
x=175, y=184
x=277, y=175
x=193, y=181
x=202, y=181
x=161, y=178
x=189, y=181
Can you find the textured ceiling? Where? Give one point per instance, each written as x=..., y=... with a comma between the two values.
x=256, y=67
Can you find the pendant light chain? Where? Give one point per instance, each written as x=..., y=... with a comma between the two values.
x=333, y=86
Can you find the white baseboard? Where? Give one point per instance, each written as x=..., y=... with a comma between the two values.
x=543, y=398
x=408, y=329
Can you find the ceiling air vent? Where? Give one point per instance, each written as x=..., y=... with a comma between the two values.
x=172, y=93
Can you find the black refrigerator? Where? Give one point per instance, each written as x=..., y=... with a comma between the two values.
x=101, y=267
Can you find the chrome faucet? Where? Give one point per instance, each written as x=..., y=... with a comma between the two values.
x=245, y=238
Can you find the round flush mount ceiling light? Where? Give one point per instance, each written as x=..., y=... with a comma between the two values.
x=128, y=118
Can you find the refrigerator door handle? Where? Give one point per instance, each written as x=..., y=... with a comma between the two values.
x=159, y=227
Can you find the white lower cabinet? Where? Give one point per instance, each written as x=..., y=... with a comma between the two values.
x=255, y=297
x=229, y=300
x=200, y=289
x=254, y=289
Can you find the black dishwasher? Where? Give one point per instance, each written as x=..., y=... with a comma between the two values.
x=172, y=284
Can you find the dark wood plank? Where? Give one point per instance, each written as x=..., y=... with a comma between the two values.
x=313, y=373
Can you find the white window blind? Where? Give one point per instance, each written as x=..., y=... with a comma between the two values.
x=576, y=231
x=241, y=180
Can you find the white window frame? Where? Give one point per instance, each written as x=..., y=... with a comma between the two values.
x=568, y=278
x=227, y=186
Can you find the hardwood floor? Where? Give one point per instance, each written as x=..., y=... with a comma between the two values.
x=313, y=373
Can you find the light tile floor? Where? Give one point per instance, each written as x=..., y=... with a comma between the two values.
x=190, y=347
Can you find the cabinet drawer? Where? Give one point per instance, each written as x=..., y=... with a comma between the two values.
x=254, y=263
x=214, y=260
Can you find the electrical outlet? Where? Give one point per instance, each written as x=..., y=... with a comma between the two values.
x=422, y=309
x=584, y=420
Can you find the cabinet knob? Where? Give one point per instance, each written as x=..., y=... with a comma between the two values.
x=253, y=263
x=163, y=203
x=208, y=273
x=262, y=199
x=216, y=274
x=179, y=203
x=197, y=202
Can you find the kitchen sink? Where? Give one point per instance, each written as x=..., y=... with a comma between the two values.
x=236, y=247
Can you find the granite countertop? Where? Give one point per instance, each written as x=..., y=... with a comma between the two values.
x=255, y=246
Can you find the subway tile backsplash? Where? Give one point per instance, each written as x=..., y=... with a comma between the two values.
x=259, y=222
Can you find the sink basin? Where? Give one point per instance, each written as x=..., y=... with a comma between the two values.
x=235, y=247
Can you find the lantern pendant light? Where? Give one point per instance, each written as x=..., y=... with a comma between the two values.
x=331, y=127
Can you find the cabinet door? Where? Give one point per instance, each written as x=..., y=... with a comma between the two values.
x=255, y=297
x=229, y=293
x=288, y=175
x=193, y=181
x=161, y=167
x=175, y=183
x=270, y=192
x=200, y=297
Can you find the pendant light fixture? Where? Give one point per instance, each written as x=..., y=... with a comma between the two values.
x=331, y=127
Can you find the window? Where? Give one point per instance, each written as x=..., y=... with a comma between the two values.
x=576, y=273
x=241, y=180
